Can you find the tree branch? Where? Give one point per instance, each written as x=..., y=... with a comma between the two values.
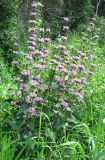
x=97, y=7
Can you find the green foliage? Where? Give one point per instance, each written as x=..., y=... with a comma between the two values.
x=77, y=11
x=57, y=134
x=80, y=11
x=97, y=28
x=7, y=27
x=81, y=136
x=100, y=24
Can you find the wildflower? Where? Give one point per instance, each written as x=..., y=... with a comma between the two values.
x=23, y=87
x=39, y=99
x=85, y=58
x=32, y=43
x=62, y=70
x=31, y=110
x=92, y=24
x=94, y=57
x=42, y=30
x=71, y=90
x=93, y=65
x=54, y=62
x=62, y=38
x=64, y=104
x=67, y=62
x=33, y=14
x=41, y=40
x=31, y=30
x=42, y=55
x=16, y=52
x=43, y=88
x=95, y=37
x=33, y=94
x=29, y=57
x=45, y=52
x=90, y=73
x=83, y=79
x=57, y=57
x=41, y=61
x=15, y=63
x=60, y=66
x=32, y=21
x=60, y=81
x=48, y=30
x=73, y=73
x=25, y=73
x=34, y=5
x=66, y=19
x=65, y=28
x=76, y=58
x=76, y=80
x=33, y=83
x=88, y=29
x=40, y=67
x=65, y=70
x=81, y=67
x=13, y=103
x=78, y=95
x=31, y=48
x=66, y=52
x=47, y=40
x=26, y=63
x=60, y=47
x=36, y=77
x=30, y=100
x=81, y=53
x=74, y=66
x=32, y=38
x=17, y=79
x=33, y=35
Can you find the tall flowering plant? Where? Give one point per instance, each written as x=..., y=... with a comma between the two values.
x=51, y=76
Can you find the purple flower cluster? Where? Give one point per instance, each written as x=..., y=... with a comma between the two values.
x=29, y=82
x=46, y=78
x=70, y=69
x=60, y=47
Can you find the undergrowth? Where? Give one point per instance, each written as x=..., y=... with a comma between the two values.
x=74, y=135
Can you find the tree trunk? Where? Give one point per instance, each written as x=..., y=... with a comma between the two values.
x=97, y=7
x=23, y=18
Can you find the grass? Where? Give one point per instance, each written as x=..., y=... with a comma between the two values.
x=79, y=137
